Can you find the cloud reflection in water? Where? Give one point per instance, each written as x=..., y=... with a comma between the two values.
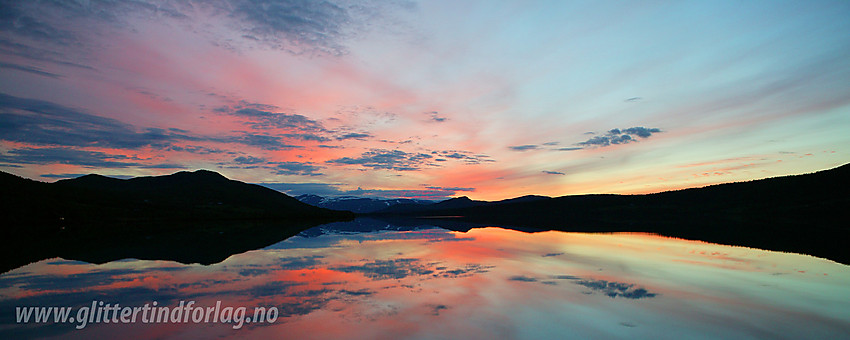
x=486, y=283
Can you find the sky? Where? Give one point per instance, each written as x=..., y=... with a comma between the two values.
x=432, y=99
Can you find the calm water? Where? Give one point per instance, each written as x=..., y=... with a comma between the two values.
x=334, y=282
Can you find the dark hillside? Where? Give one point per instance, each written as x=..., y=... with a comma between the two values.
x=804, y=213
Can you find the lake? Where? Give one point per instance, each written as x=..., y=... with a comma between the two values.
x=358, y=280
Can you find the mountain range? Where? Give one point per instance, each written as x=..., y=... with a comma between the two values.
x=191, y=217
x=801, y=213
x=194, y=216
x=183, y=195
x=799, y=201
x=360, y=205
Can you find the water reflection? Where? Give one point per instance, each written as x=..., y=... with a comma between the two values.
x=386, y=281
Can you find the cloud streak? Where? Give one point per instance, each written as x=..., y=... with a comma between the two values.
x=617, y=136
x=263, y=116
x=91, y=159
x=295, y=26
x=297, y=169
x=611, y=137
x=386, y=160
x=30, y=69
x=526, y=147
x=340, y=90
x=44, y=123
x=434, y=116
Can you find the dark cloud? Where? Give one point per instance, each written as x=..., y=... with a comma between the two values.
x=435, y=309
x=43, y=123
x=359, y=292
x=618, y=136
x=52, y=155
x=284, y=263
x=566, y=277
x=39, y=122
x=353, y=135
x=386, y=159
x=37, y=54
x=248, y=160
x=641, y=132
x=73, y=281
x=298, y=127
x=274, y=288
x=244, y=107
x=612, y=289
x=296, y=168
x=523, y=147
x=300, y=262
x=553, y=172
x=290, y=121
x=267, y=117
x=464, y=156
x=303, y=306
x=454, y=155
x=435, y=117
x=307, y=137
x=60, y=128
x=295, y=25
x=522, y=278
x=249, y=112
x=607, y=140
x=263, y=116
x=266, y=142
x=51, y=31
x=465, y=271
x=387, y=269
x=253, y=271
x=34, y=22
x=568, y=149
x=616, y=289
x=29, y=69
x=200, y=150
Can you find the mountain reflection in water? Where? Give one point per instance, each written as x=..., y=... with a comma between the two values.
x=339, y=281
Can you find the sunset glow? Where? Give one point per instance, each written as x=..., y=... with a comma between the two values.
x=485, y=283
x=431, y=99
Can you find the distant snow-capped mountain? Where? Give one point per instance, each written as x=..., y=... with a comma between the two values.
x=357, y=204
